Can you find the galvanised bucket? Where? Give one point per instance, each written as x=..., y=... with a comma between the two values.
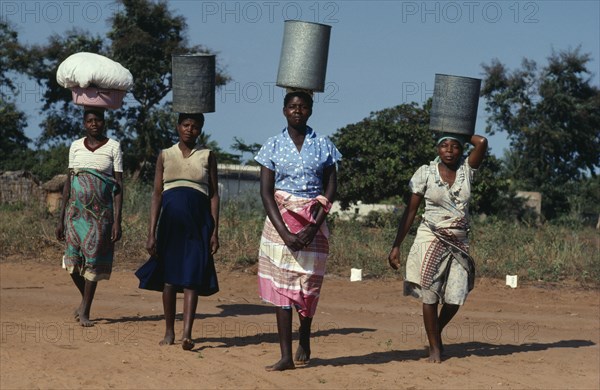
x=303, y=61
x=193, y=83
x=454, y=106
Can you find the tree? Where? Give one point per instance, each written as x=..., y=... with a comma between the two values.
x=12, y=121
x=552, y=120
x=381, y=153
x=492, y=193
x=243, y=147
x=144, y=36
x=221, y=156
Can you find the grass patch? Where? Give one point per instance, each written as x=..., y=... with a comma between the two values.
x=548, y=253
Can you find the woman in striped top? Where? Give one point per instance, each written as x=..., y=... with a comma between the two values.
x=90, y=217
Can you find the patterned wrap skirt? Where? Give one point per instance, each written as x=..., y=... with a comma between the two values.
x=287, y=278
x=439, y=267
x=88, y=225
x=183, y=245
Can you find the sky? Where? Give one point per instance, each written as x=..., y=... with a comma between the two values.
x=381, y=53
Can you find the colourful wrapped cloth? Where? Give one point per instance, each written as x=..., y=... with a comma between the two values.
x=436, y=247
x=296, y=220
x=88, y=224
x=287, y=278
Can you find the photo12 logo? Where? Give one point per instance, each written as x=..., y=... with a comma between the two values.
x=23, y=90
x=415, y=91
x=471, y=331
x=268, y=91
x=57, y=11
x=256, y=330
x=470, y=11
x=269, y=11
x=66, y=333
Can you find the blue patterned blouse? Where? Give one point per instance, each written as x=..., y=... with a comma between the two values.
x=299, y=173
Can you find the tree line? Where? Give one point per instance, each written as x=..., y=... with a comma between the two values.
x=549, y=113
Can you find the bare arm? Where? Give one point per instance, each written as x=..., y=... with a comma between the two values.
x=213, y=193
x=330, y=185
x=267, y=194
x=155, y=206
x=406, y=222
x=117, y=208
x=60, y=225
x=478, y=153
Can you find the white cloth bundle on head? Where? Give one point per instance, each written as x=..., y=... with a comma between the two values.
x=85, y=69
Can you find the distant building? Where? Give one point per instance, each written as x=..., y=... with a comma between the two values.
x=533, y=200
x=20, y=186
x=54, y=188
x=239, y=181
x=360, y=210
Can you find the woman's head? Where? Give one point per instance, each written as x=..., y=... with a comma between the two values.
x=308, y=100
x=189, y=127
x=450, y=148
x=93, y=121
x=297, y=108
x=198, y=117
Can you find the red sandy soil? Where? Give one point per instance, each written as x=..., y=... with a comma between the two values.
x=366, y=335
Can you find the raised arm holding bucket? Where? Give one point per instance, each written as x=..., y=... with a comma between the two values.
x=439, y=268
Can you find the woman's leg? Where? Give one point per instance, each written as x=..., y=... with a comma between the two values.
x=284, y=330
x=169, y=298
x=446, y=314
x=190, y=303
x=87, y=289
x=80, y=284
x=88, y=297
x=430, y=317
x=303, y=352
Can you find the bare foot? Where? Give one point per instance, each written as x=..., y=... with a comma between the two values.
x=282, y=365
x=76, y=314
x=302, y=356
x=187, y=344
x=168, y=340
x=435, y=356
x=85, y=321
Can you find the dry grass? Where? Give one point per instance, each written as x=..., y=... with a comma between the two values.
x=547, y=253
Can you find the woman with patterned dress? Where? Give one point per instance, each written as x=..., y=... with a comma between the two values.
x=297, y=167
x=183, y=233
x=439, y=268
x=90, y=217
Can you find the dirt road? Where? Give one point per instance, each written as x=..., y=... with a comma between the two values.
x=367, y=335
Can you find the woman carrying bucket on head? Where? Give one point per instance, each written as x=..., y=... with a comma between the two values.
x=298, y=182
x=297, y=167
x=439, y=268
x=184, y=215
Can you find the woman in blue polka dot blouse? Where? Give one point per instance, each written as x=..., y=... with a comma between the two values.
x=298, y=184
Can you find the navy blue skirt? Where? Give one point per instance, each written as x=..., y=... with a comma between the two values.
x=183, y=245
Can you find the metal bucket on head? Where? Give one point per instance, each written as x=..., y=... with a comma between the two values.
x=193, y=83
x=304, y=51
x=454, y=106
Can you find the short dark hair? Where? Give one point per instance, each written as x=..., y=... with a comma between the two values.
x=198, y=117
x=299, y=94
x=98, y=111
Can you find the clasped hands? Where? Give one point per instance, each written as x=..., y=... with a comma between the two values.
x=301, y=239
